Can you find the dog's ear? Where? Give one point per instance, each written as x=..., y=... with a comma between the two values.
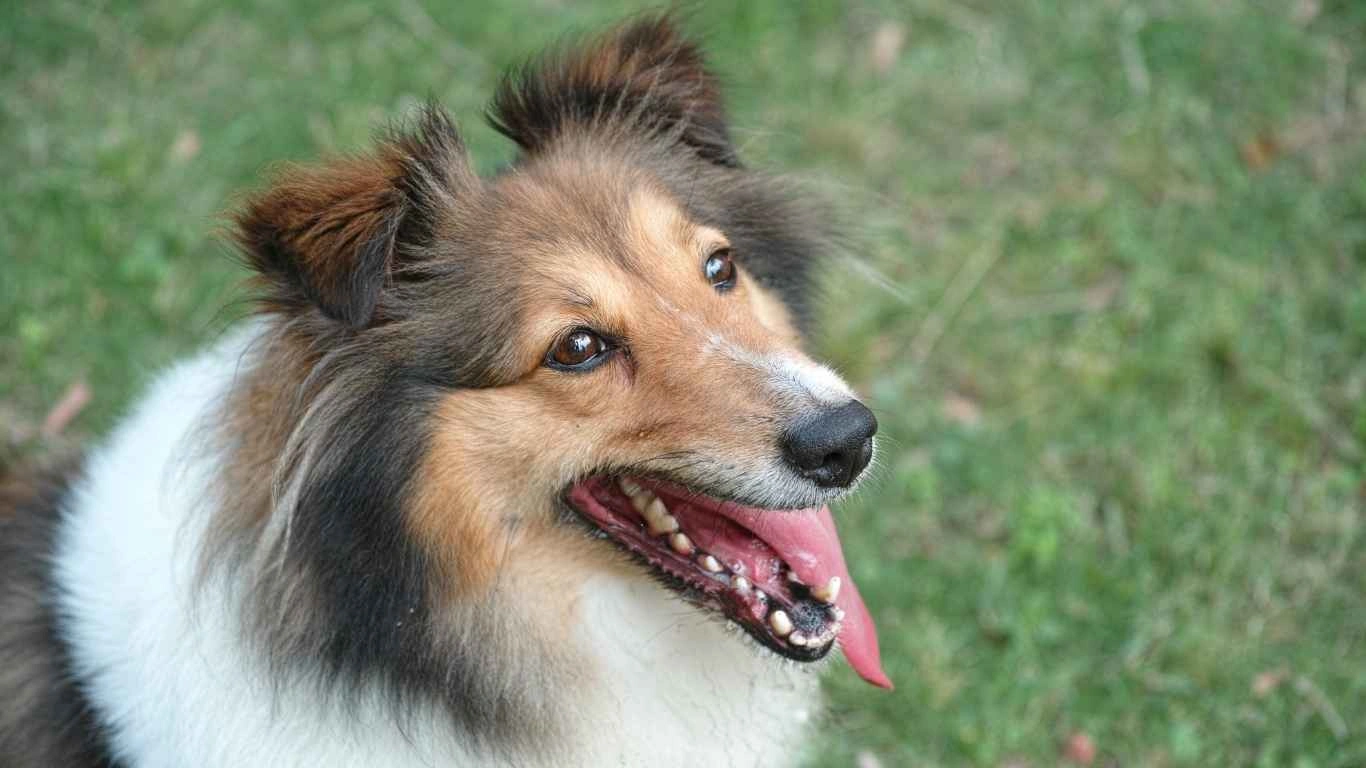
x=643, y=77
x=329, y=236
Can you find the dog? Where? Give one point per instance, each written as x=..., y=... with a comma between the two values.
x=526, y=469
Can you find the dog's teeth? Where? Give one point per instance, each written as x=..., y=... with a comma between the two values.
x=629, y=486
x=740, y=584
x=782, y=625
x=658, y=519
x=681, y=544
x=794, y=578
x=641, y=501
x=828, y=592
x=662, y=525
x=656, y=508
x=710, y=563
x=837, y=612
x=797, y=639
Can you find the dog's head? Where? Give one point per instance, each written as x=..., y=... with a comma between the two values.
x=484, y=391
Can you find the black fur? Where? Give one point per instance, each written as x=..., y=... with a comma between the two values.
x=350, y=543
x=45, y=719
x=644, y=78
x=346, y=600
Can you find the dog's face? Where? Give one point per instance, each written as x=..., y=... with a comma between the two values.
x=644, y=344
x=588, y=363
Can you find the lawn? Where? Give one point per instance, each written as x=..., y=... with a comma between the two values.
x=1108, y=299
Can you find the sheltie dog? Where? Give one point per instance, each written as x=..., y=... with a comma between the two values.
x=529, y=469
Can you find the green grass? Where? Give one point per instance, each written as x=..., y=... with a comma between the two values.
x=1119, y=351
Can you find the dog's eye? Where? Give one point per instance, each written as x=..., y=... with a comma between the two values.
x=720, y=270
x=578, y=350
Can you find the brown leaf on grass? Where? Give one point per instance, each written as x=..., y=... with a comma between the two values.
x=961, y=410
x=1079, y=749
x=885, y=49
x=186, y=146
x=73, y=401
x=1260, y=151
x=1266, y=682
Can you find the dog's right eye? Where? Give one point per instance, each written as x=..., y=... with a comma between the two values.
x=578, y=350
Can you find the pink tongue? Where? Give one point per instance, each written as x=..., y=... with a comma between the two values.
x=808, y=542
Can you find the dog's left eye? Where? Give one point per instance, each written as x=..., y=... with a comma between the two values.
x=578, y=350
x=720, y=270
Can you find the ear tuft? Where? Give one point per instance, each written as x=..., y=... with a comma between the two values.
x=328, y=235
x=643, y=77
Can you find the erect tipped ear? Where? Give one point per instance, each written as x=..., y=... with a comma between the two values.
x=329, y=235
x=644, y=76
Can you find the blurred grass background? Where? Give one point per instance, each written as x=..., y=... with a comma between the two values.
x=1111, y=310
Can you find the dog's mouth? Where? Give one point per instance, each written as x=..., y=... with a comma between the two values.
x=777, y=574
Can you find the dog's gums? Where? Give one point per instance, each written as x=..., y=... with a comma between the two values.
x=777, y=574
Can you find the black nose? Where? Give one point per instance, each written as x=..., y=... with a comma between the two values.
x=833, y=447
